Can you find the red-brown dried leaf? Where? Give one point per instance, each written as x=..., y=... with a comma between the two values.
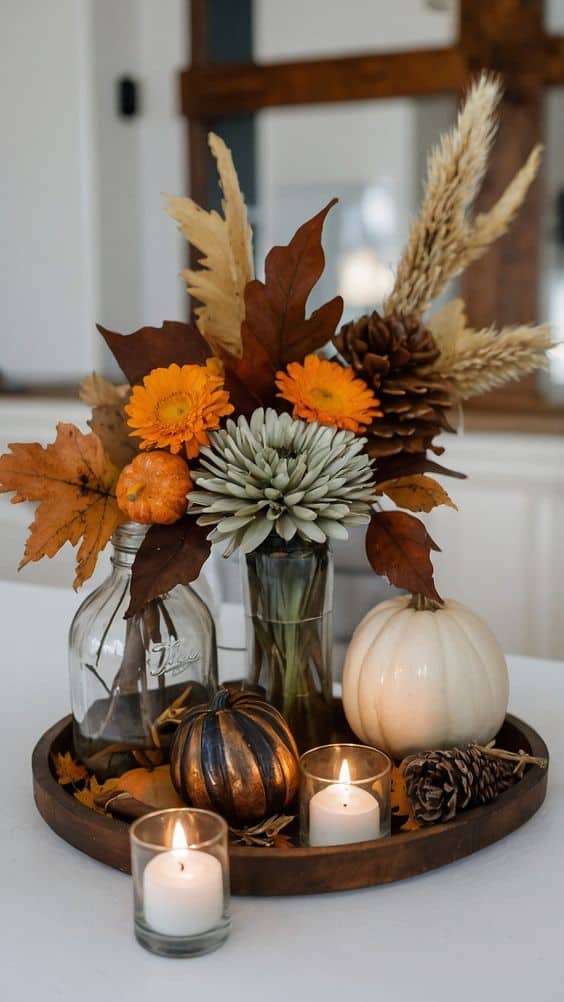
x=169, y=555
x=399, y=547
x=250, y=378
x=404, y=465
x=275, y=310
x=156, y=347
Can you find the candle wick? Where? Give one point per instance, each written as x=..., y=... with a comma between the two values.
x=181, y=865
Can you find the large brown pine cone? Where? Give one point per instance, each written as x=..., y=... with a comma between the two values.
x=439, y=784
x=394, y=355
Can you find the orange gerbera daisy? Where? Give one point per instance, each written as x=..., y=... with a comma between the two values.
x=328, y=393
x=175, y=407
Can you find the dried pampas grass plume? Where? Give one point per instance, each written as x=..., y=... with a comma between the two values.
x=474, y=362
x=227, y=262
x=443, y=240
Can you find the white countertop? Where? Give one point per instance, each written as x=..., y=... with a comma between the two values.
x=488, y=927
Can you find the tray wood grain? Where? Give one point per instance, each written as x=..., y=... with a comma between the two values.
x=292, y=870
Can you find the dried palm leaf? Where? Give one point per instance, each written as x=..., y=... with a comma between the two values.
x=227, y=261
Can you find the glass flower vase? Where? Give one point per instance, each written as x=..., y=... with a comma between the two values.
x=129, y=677
x=288, y=590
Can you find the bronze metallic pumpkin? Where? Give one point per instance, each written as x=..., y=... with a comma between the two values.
x=236, y=757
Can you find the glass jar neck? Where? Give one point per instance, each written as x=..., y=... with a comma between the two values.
x=126, y=541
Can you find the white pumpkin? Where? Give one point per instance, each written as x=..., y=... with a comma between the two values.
x=419, y=679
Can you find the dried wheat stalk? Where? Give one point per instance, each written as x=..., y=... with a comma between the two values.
x=227, y=261
x=443, y=240
x=476, y=361
x=489, y=226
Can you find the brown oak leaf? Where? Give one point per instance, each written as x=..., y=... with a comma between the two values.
x=275, y=310
x=73, y=481
x=109, y=423
x=67, y=770
x=250, y=378
x=418, y=493
x=169, y=555
x=399, y=547
x=156, y=347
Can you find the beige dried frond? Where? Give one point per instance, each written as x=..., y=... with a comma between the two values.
x=446, y=324
x=474, y=362
x=227, y=261
x=455, y=172
x=489, y=226
x=99, y=392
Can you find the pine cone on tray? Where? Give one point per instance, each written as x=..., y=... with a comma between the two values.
x=394, y=355
x=439, y=784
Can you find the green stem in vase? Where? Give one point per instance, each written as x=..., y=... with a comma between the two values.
x=287, y=589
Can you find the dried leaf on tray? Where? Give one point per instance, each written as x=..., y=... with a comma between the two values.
x=74, y=481
x=265, y=834
x=399, y=547
x=169, y=555
x=67, y=770
x=399, y=801
x=156, y=347
x=416, y=493
x=92, y=791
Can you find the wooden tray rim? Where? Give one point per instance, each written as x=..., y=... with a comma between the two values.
x=51, y=798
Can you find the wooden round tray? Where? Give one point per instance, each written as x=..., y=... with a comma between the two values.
x=308, y=871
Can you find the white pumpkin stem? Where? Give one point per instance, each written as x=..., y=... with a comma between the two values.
x=520, y=758
x=423, y=604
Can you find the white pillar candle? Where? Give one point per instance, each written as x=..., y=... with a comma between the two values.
x=342, y=813
x=183, y=890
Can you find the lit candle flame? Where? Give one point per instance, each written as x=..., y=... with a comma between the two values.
x=345, y=773
x=179, y=837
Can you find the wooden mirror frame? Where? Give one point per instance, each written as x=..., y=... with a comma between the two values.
x=506, y=36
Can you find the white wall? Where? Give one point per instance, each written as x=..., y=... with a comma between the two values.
x=84, y=235
x=47, y=274
x=138, y=159
x=296, y=28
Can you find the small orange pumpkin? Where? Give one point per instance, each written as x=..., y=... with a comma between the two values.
x=153, y=488
x=151, y=786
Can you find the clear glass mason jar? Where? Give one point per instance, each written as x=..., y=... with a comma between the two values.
x=288, y=593
x=126, y=675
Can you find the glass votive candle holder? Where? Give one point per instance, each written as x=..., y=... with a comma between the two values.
x=180, y=870
x=344, y=795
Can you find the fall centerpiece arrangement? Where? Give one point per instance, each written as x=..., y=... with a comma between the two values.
x=269, y=431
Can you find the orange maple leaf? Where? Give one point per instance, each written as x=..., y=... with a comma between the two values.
x=67, y=770
x=94, y=789
x=74, y=481
x=399, y=800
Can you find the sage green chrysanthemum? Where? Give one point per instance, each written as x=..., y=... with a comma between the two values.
x=277, y=473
